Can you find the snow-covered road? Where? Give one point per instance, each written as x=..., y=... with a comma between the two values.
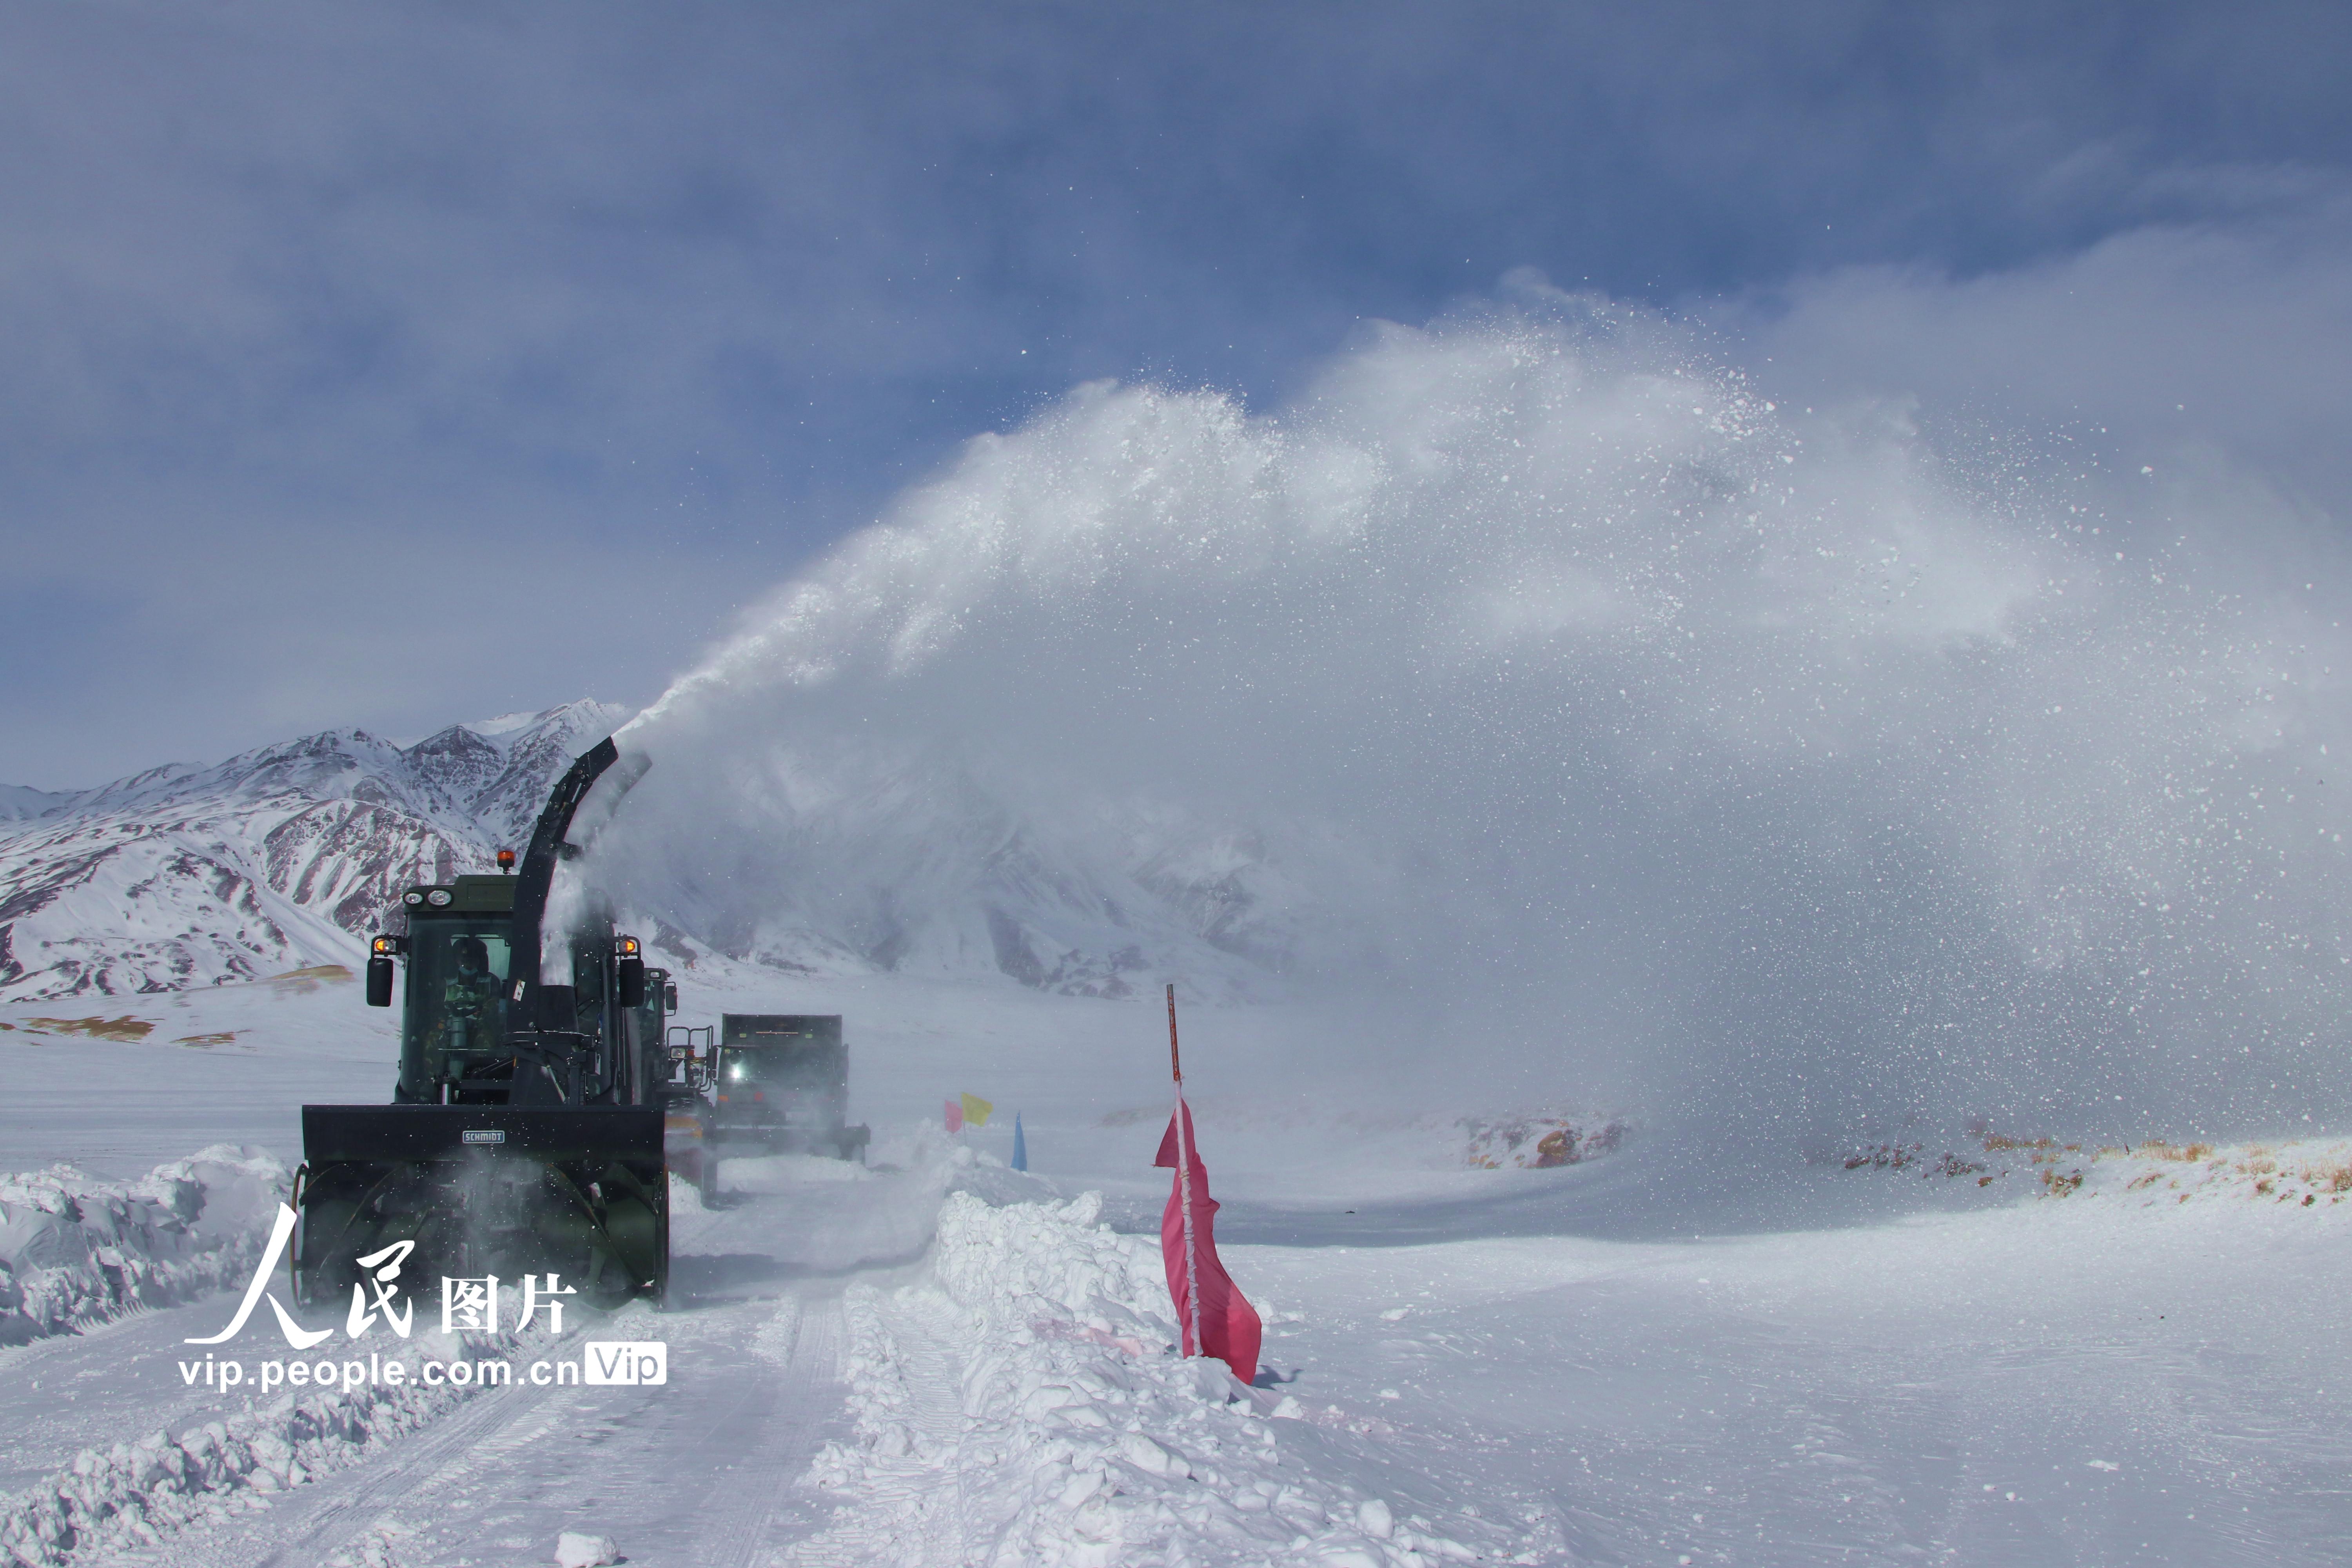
x=2081, y=1383
x=1637, y=1361
x=699, y=1470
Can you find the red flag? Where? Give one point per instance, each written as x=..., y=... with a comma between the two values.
x=1221, y=1324
x=955, y=1115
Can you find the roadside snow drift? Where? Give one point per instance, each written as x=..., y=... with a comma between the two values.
x=75, y=1250
x=1027, y=1407
x=138, y=1493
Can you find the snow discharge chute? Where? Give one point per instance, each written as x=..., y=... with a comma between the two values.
x=1216, y=1319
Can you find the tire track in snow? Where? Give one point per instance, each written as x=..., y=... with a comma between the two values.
x=497, y=1425
x=911, y=1512
x=742, y=1514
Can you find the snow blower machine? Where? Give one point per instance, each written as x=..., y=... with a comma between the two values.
x=525, y=1133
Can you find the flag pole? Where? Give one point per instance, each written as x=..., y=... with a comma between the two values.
x=1184, y=1180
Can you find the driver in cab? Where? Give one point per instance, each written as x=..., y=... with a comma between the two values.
x=469, y=1000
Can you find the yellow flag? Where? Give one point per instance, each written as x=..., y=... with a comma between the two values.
x=975, y=1110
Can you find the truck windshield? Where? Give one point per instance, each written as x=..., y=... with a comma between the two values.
x=456, y=985
x=767, y=1067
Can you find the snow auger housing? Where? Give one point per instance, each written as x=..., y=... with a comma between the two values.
x=525, y=1133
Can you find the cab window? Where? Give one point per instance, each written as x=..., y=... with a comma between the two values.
x=457, y=985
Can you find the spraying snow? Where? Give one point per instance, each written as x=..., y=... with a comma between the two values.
x=1537, y=681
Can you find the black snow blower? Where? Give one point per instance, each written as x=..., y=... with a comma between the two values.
x=525, y=1134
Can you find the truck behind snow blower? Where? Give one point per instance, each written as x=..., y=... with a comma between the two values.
x=772, y=1083
x=525, y=1134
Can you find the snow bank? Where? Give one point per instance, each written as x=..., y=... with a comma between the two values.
x=76, y=1250
x=1027, y=1406
x=938, y=1155
x=136, y=1494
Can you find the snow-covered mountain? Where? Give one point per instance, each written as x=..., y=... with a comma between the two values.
x=279, y=857
x=292, y=854
x=841, y=859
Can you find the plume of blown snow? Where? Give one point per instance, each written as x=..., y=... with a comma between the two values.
x=1608, y=727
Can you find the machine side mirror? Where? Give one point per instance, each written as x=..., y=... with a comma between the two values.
x=669, y=998
x=379, y=982
x=632, y=982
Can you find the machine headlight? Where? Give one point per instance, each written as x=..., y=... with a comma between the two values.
x=412, y=898
x=438, y=898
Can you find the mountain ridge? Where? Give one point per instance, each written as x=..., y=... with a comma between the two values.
x=280, y=856
x=290, y=854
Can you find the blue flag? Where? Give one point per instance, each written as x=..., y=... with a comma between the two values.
x=1020, y=1146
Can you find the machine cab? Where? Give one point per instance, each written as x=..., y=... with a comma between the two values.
x=459, y=1007
x=458, y=948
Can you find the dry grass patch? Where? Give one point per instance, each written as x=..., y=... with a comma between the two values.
x=2158, y=1149
x=2294, y=1171
x=2329, y=1178
x=1538, y=1141
x=123, y=1028
x=301, y=981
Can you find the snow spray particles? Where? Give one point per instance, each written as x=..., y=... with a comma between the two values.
x=1614, y=724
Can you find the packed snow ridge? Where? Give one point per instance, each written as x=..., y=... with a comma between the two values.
x=136, y=1495
x=1026, y=1405
x=75, y=1250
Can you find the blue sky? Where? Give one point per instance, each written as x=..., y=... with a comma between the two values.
x=386, y=364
